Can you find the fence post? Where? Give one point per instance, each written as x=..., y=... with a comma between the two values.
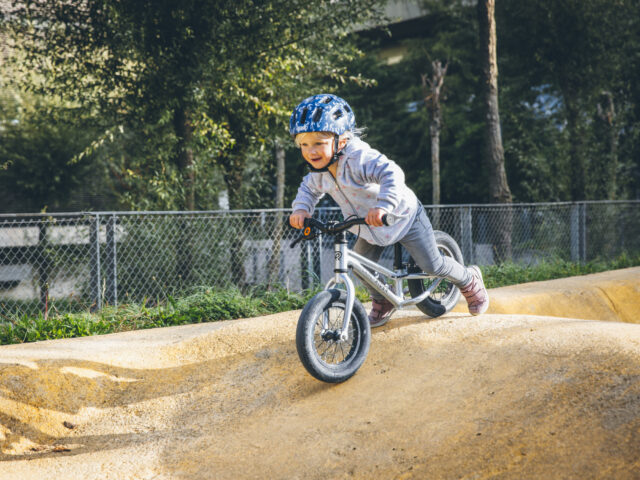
x=578, y=232
x=112, y=262
x=94, y=248
x=274, y=275
x=583, y=232
x=575, y=233
x=466, y=234
x=43, y=266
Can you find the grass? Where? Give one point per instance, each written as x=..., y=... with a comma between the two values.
x=204, y=305
x=513, y=274
x=207, y=305
x=201, y=306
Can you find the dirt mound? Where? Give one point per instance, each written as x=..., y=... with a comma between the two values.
x=609, y=296
x=499, y=395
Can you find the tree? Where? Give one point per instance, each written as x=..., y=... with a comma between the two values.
x=574, y=51
x=606, y=188
x=38, y=138
x=494, y=152
x=274, y=264
x=191, y=85
x=432, y=87
x=393, y=110
x=204, y=77
x=38, y=175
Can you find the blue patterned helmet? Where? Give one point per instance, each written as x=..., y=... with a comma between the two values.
x=322, y=113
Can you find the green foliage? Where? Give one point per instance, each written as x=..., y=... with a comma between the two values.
x=38, y=151
x=394, y=113
x=193, y=89
x=559, y=60
x=511, y=273
x=204, y=305
x=555, y=61
x=38, y=138
x=167, y=106
x=40, y=328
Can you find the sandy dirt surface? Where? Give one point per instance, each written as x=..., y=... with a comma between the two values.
x=545, y=385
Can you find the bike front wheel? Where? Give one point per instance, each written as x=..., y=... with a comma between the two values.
x=321, y=351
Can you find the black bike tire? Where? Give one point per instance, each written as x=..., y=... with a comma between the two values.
x=430, y=306
x=305, y=338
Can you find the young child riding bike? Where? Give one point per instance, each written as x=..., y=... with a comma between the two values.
x=365, y=183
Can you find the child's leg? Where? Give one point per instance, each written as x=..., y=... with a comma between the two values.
x=421, y=245
x=372, y=252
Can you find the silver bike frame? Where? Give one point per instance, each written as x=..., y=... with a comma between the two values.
x=346, y=259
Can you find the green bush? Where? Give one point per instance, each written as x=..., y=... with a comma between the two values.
x=512, y=274
x=204, y=305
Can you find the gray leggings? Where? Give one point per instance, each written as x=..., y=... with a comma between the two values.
x=421, y=245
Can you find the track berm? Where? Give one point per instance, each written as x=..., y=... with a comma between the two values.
x=545, y=385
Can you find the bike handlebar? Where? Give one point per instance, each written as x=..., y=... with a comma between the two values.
x=333, y=228
x=340, y=226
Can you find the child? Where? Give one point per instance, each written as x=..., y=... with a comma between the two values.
x=365, y=183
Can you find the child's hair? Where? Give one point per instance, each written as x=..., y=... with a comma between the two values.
x=348, y=135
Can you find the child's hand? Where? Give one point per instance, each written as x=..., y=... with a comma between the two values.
x=296, y=220
x=374, y=217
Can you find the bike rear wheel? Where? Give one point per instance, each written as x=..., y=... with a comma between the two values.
x=446, y=294
x=320, y=349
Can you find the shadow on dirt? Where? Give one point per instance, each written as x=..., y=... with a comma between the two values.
x=37, y=399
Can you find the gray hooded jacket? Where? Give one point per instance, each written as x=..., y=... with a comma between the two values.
x=365, y=179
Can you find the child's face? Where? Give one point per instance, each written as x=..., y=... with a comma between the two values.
x=318, y=149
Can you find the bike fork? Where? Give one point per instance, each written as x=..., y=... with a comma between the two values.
x=348, y=308
x=341, y=276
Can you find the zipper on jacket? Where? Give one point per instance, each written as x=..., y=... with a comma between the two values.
x=355, y=212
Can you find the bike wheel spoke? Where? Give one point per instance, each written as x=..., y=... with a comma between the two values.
x=333, y=356
x=331, y=351
x=326, y=349
x=344, y=356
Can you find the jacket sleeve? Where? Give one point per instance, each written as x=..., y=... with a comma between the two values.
x=377, y=168
x=308, y=195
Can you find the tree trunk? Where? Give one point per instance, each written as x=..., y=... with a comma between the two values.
x=609, y=164
x=184, y=162
x=184, y=157
x=232, y=175
x=494, y=152
x=274, y=263
x=432, y=88
x=576, y=160
x=233, y=164
x=280, y=171
x=606, y=171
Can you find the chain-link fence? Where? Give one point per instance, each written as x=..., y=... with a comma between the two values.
x=73, y=262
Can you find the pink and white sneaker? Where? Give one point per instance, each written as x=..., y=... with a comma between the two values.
x=380, y=312
x=475, y=293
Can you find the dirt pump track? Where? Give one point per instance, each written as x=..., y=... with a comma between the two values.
x=545, y=385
